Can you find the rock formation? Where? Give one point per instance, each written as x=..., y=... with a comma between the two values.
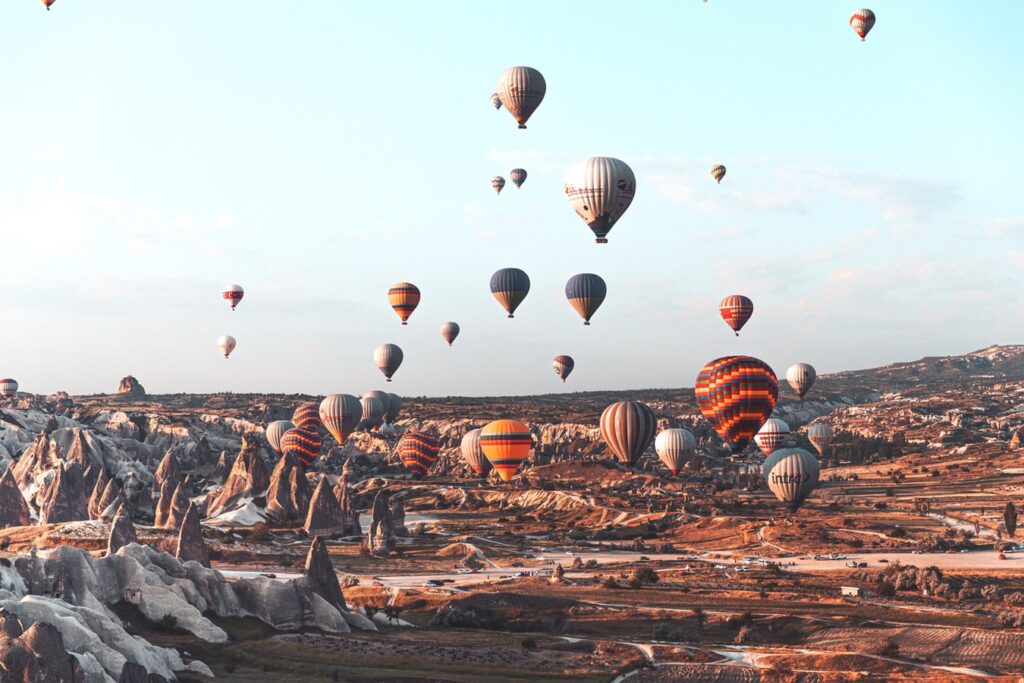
x=178, y=508
x=324, y=518
x=129, y=386
x=557, y=574
x=191, y=545
x=99, y=485
x=36, y=653
x=163, y=504
x=202, y=454
x=320, y=572
x=381, y=536
x=42, y=455
x=64, y=500
x=168, y=469
x=14, y=511
x=398, y=518
x=248, y=479
x=221, y=469
x=349, y=515
x=122, y=531
x=105, y=504
x=289, y=492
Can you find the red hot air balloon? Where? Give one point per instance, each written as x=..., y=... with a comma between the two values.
x=736, y=310
x=232, y=294
x=418, y=451
x=862, y=22
x=737, y=394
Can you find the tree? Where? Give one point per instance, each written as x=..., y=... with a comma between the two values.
x=1010, y=518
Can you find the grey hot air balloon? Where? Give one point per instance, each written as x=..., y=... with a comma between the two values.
x=275, y=430
x=771, y=435
x=801, y=377
x=450, y=331
x=373, y=412
x=586, y=293
x=498, y=183
x=473, y=454
x=518, y=176
x=563, y=365
x=600, y=189
x=521, y=90
x=340, y=414
x=394, y=408
x=718, y=172
x=628, y=427
x=674, y=447
x=792, y=475
x=8, y=387
x=510, y=286
x=820, y=434
x=495, y=100
x=388, y=357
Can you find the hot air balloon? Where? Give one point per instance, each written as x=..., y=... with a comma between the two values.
x=736, y=310
x=600, y=189
x=418, y=451
x=404, y=297
x=736, y=394
x=394, y=407
x=521, y=89
x=627, y=428
x=275, y=430
x=388, y=357
x=518, y=176
x=792, y=475
x=47, y=3
x=510, y=286
x=372, y=415
x=495, y=100
x=498, y=183
x=506, y=443
x=820, y=435
x=674, y=447
x=340, y=413
x=861, y=22
x=771, y=435
x=303, y=445
x=801, y=377
x=586, y=293
x=307, y=416
x=473, y=454
x=563, y=365
x=8, y=387
x=450, y=331
x=718, y=172
x=226, y=344
x=383, y=397
x=233, y=294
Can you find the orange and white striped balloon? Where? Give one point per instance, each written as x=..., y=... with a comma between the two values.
x=404, y=298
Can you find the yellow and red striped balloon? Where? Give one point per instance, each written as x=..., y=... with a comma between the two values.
x=307, y=416
x=506, y=443
x=737, y=394
x=404, y=298
x=418, y=451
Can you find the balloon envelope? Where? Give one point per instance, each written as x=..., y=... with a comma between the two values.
x=674, y=447
x=404, y=298
x=506, y=443
x=498, y=183
x=792, y=475
x=340, y=413
x=275, y=430
x=307, y=416
x=449, y=331
x=394, y=408
x=627, y=428
x=600, y=189
x=495, y=100
x=718, y=172
x=586, y=293
x=384, y=398
x=510, y=286
x=736, y=394
x=563, y=365
x=8, y=387
x=771, y=435
x=801, y=377
x=303, y=445
x=518, y=176
x=373, y=412
x=232, y=294
x=736, y=310
x=226, y=344
x=418, y=451
x=820, y=435
x=862, y=21
x=473, y=454
x=388, y=358
x=521, y=90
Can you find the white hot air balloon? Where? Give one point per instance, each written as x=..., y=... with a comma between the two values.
x=340, y=414
x=373, y=412
x=388, y=357
x=801, y=377
x=521, y=90
x=600, y=189
x=820, y=434
x=674, y=447
x=226, y=344
x=232, y=294
x=792, y=475
x=275, y=430
x=8, y=387
x=771, y=435
x=473, y=454
x=495, y=100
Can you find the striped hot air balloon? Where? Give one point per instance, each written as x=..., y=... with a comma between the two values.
x=498, y=183
x=586, y=293
x=563, y=365
x=521, y=90
x=820, y=435
x=506, y=443
x=473, y=454
x=275, y=430
x=495, y=100
x=792, y=475
x=718, y=172
x=861, y=22
x=232, y=294
x=449, y=331
x=307, y=416
x=518, y=176
x=340, y=413
x=404, y=297
x=736, y=310
x=600, y=189
x=627, y=428
x=382, y=396
x=771, y=435
x=674, y=447
x=373, y=412
x=418, y=451
x=394, y=408
x=388, y=358
x=8, y=387
x=226, y=343
x=736, y=394
x=510, y=286
x=801, y=377
x=303, y=445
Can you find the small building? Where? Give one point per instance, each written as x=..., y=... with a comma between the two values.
x=851, y=592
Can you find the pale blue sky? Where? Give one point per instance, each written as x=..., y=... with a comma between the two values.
x=317, y=152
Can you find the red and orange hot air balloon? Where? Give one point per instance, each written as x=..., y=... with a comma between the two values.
x=303, y=444
x=736, y=310
x=862, y=21
x=506, y=443
x=418, y=451
x=737, y=394
x=404, y=298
